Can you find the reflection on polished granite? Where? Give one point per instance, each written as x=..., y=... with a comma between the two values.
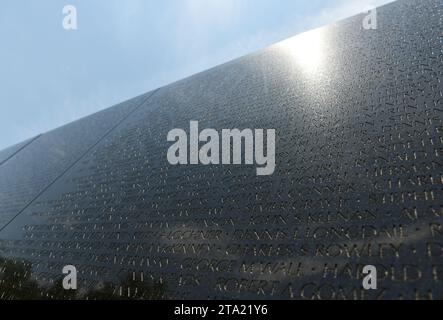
x=358, y=179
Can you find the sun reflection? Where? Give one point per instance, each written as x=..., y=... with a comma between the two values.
x=306, y=49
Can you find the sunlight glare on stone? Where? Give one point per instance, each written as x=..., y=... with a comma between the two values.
x=307, y=50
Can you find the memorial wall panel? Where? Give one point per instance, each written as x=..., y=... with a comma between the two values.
x=358, y=181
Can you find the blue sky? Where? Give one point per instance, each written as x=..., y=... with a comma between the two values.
x=50, y=76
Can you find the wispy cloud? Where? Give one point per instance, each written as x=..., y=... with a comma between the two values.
x=215, y=12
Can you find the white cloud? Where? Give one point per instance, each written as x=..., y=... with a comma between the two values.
x=213, y=13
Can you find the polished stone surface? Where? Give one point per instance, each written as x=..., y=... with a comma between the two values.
x=358, y=180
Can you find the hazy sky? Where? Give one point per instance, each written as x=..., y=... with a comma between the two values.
x=50, y=76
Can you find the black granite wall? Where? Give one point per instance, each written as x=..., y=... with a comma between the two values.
x=358, y=180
